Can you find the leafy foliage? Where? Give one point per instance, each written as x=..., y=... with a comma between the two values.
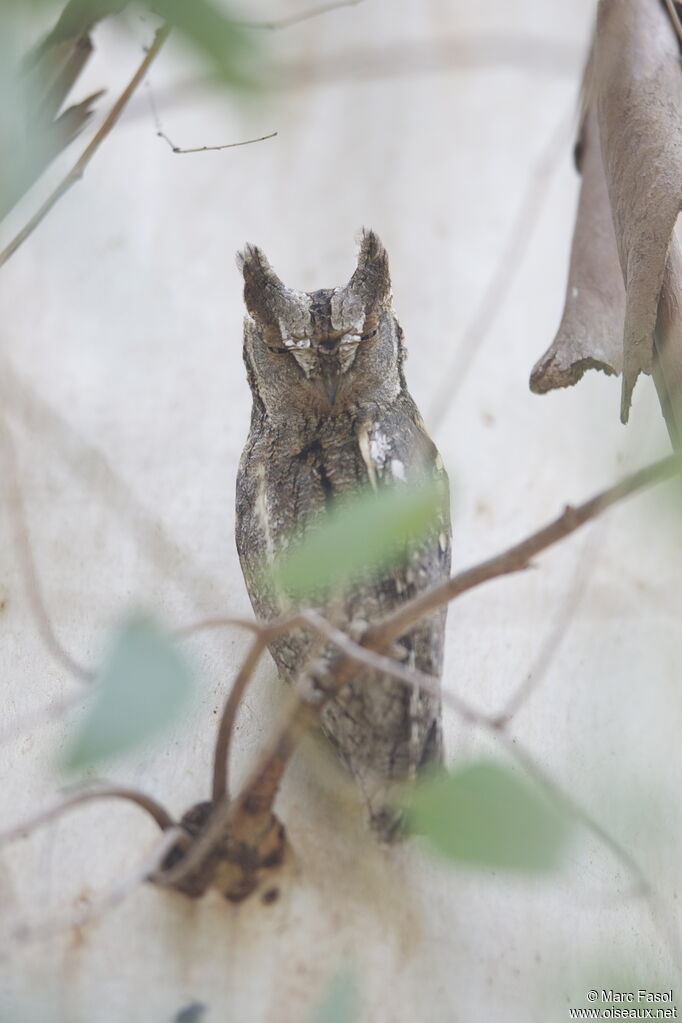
x=144, y=684
x=358, y=537
x=483, y=815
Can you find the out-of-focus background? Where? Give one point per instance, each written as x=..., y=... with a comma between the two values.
x=447, y=127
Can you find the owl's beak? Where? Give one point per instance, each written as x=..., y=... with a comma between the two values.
x=330, y=380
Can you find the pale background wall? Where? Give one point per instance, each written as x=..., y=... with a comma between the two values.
x=123, y=313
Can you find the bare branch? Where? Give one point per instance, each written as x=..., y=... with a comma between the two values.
x=154, y=809
x=296, y=19
x=271, y=764
x=22, y=541
x=143, y=872
x=221, y=756
x=77, y=171
x=518, y=557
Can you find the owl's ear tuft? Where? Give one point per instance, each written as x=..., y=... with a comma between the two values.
x=371, y=281
x=263, y=290
x=267, y=299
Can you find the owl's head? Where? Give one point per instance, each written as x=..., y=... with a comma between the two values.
x=322, y=352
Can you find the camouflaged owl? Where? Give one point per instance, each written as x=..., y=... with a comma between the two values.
x=332, y=416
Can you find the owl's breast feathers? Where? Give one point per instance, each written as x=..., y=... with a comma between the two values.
x=289, y=475
x=381, y=729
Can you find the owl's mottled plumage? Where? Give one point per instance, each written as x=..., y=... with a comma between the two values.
x=331, y=415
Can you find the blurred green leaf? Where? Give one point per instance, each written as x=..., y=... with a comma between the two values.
x=357, y=537
x=78, y=16
x=484, y=815
x=144, y=684
x=340, y=1002
x=222, y=42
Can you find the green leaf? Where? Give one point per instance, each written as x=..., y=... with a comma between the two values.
x=340, y=1002
x=357, y=538
x=79, y=16
x=144, y=684
x=484, y=815
x=220, y=40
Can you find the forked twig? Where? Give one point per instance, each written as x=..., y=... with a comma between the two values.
x=198, y=149
x=214, y=149
x=263, y=782
x=78, y=169
x=231, y=845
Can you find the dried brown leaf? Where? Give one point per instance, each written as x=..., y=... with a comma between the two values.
x=667, y=366
x=591, y=329
x=638, y=87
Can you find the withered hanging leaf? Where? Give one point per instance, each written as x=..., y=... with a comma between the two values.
x=590, y=335
x=631, y=143
x=638, y=86
x=667, y=368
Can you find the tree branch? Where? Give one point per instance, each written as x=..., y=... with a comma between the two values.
x=155, y=810
x=221, y=788
x=518, y=557
x=77, y=171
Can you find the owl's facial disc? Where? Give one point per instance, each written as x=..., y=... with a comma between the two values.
x=316, y=348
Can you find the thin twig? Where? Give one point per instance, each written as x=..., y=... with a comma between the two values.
x=296, y=19
x=674, y=17
x=518, y=557
x=22, y=541
x=507, y=268
x=155, y=810
x=214, y=149
x=221, y=756
x=77, y=171
x=141, y=873
x=199, y=149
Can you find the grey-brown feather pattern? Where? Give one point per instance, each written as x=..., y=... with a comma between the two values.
x=332, y=415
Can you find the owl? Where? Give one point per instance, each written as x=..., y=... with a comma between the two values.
x=331, y=417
